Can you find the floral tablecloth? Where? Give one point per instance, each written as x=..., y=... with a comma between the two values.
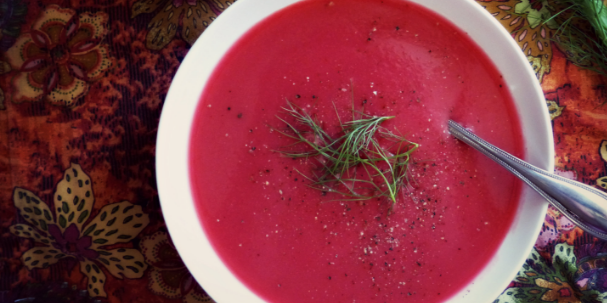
x=82, y=84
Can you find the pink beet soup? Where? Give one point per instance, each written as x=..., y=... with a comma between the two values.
x=290, y=243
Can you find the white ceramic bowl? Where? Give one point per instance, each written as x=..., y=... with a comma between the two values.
x=178, y=114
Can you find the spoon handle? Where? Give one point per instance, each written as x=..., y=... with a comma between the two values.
x=583, y=205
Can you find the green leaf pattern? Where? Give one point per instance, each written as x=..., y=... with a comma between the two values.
x=26, y=231
x=109, y=226
x=535, y=17
x=549, y=283
x=96, y=278
x=41, y=257
x=125, y=262
x=115, y=223
x=74, y=197
x=32, y=209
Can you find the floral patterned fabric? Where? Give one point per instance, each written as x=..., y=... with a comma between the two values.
x=82, y=84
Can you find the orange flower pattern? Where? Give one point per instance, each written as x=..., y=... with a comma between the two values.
x=168, y=276
x=558, y=291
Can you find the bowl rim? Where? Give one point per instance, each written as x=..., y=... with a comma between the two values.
x=172, y=151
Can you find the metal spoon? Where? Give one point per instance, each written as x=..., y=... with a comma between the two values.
x=582, y=204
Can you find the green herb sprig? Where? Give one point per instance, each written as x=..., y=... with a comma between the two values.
x=582, y=32
x=364, y=161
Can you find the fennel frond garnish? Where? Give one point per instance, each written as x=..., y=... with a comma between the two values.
x=363, y=161
x=582, y=32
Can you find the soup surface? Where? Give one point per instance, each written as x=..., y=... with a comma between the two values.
x=291, y=243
